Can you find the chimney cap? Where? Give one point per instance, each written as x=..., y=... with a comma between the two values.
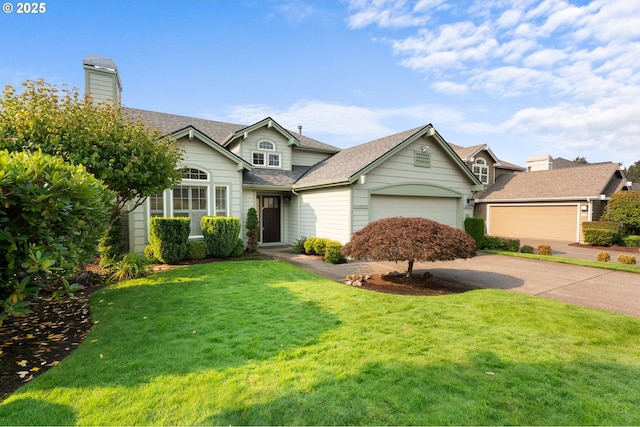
x=101, y=62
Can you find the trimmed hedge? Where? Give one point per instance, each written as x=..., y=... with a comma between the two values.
x=544, y=250
x=168, y=238
x=601, y=233
x=626, y=259
x=475, y=228
x=196, y=249
x=501, y=244
x=603, y=256
x=632, y=241
x=333, y=254
x=238, y=250
x=220, y=234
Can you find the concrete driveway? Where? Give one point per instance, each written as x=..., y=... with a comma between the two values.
x=585, y=286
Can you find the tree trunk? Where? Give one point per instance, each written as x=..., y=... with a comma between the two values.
x=410, y=268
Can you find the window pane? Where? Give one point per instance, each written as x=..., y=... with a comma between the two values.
x=265, y=145
x=221, y=201
x=258, y=158
x=274, y=160
x=190, y=201
x=193, y=173
x=156, y=205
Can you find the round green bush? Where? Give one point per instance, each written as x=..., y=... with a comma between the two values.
x=238, y=250
x=196, y=249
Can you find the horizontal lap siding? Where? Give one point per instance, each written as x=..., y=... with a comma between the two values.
x=325, y=213
x=400, y=169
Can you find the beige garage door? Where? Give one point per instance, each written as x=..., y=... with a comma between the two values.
x=559, y=222
x=440, y=209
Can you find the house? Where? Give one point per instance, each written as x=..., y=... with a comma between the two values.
x=299, y=186
x=551, y=200
x=484, y=164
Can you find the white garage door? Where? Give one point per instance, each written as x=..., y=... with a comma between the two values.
x=552, y=222
x=441, y=209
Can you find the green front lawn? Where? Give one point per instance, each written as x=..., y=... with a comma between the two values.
x=266, y=343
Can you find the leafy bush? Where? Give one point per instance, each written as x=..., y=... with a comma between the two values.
x=298, y=247
x=603, y=256
x=501, y=244
x=319, y=246
x=332, y=252
x=148, y=254
x=475, y=228
x=220, y=234
x=111, y=246
x=132, y=266
x=544, y=250
x=624, y=206
x=526, y=249
x=196, y=249
x=52, y=215
x=310, y=245
x=601, y=233
x=409, y=239
x=238, y=250
x=168, y=237
x=632, y=241
x=626, y=259
x=253, y=228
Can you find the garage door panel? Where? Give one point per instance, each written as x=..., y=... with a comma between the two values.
x=440, y=209
x=534, y=222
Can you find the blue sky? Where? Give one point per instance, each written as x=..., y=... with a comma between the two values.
x=525, y=77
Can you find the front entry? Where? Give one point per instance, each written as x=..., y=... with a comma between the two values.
x=270, y=219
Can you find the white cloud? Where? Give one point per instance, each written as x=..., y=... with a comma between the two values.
x=449, y=87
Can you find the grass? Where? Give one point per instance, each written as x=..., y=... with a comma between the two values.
x=629, y=268
x=266, y=343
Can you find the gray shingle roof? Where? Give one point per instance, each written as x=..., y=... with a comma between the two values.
x=273, y=177
x=347, y=163
x=217, y=131
x=589, y=180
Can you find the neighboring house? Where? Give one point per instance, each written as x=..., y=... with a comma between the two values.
x=299, y=186
x=551, y=203
x=484, y=164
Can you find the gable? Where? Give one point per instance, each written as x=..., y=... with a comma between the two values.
x=198, y=149
x=263, y=143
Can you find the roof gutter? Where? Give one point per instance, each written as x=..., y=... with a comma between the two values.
x=545, y=199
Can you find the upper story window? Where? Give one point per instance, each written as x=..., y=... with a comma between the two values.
x=481, y=170
x=266, y=145
x=193, y=173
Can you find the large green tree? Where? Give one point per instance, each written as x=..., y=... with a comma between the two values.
x=633, y=172
x=130, y=157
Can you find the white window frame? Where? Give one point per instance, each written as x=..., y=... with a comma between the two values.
x=271, y=145
x=274, y=156
x=482, y=170
x=258, y=153
x=215, y=200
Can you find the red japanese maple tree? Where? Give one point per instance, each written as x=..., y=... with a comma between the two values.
x=409, y=239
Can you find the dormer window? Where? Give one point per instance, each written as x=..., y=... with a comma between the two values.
x=266, y=145
x=481, y=170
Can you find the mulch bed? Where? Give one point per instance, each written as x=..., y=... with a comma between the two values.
x=33, y=343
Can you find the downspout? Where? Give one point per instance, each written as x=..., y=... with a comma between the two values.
x=299, y=201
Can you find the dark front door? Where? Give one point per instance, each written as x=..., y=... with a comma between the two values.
x=270, y=219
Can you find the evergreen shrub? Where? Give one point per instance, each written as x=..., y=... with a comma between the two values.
x=544, y=250
x=475, y=228
x=632, y=241
x=168, y=238
x=196, y=249
x=601, y=233
x=626, y=259
x=603, y=256
x=110, y=245
x=252, y=225
x=310, y=245
x=220, y=234
x=526, y=249
x=238, y=250
x=333, y=254
x=501, y=244
x=298, y=247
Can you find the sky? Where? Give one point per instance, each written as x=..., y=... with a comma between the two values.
x=525, y=77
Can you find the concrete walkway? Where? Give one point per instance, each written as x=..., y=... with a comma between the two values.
x=585, y=286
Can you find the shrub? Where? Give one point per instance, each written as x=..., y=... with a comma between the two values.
x=475, y=228
x=624, y=206
x=148, y=254
x=168, y=237
x=253, y=228
x=626, y=259
x=238, y=250
x=310, y=245
x=132, y=266
x=320, y=245
x=603, y=256
x=501, y=244
x=409, y=239
x=52, y=215
x=544, y=250
x=111, y=246
x=196, y=249
x=220, y=234
x=601, y=233
x=298, y=247
x=632, y=241
x=332, y=252
x=526, y=249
